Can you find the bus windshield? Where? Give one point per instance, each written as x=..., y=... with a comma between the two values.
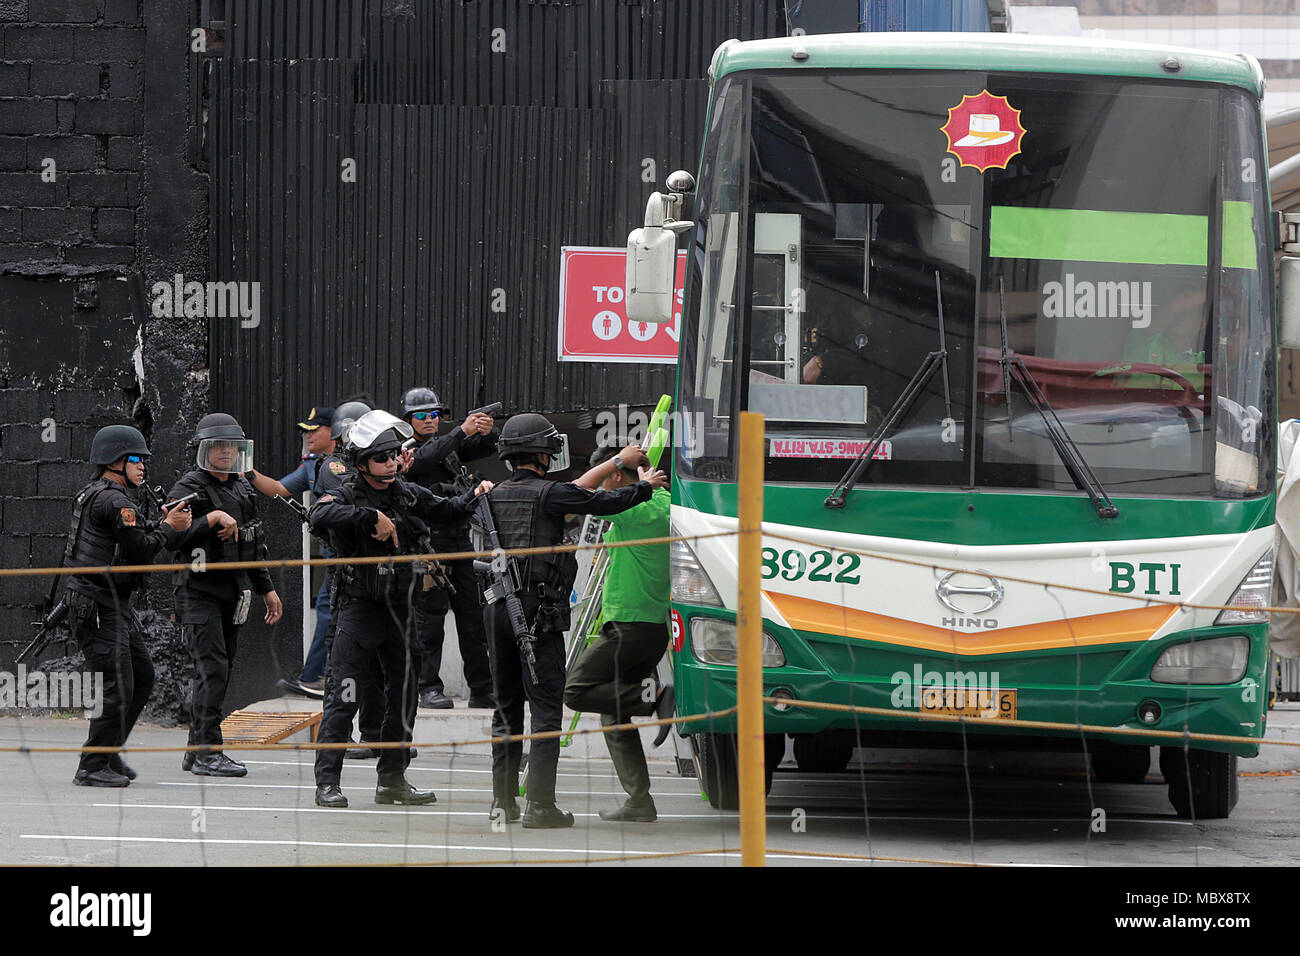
x=1109, y=232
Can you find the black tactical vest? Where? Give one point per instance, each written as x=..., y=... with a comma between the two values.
x=90, y=545
x=251, y=536
x=522, y=522
x=378, y=582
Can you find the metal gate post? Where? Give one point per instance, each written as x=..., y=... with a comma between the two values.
x=749, y=640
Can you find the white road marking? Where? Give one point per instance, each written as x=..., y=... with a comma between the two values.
x=351, y=846
x=605, y=772
x=513, y=850
x=772, y=815
x=190, y=807
x=371, y=789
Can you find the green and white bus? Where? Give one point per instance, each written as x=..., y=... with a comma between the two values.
x=1007, y=306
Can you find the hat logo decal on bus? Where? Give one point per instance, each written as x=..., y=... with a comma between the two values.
x=992, y=593
x=984, y=131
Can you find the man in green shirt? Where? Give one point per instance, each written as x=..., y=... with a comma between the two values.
x=614, y=675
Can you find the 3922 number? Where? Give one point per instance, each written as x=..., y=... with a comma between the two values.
x=793, y=564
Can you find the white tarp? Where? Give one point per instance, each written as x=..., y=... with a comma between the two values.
x=1284, y=629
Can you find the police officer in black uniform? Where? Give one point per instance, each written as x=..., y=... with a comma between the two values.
x=375, y=513
x=330, y=473
x=107, y=528
x=436, y=463
x=212, y=604
x=529, y=512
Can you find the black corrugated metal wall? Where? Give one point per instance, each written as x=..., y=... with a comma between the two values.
x=473, y=167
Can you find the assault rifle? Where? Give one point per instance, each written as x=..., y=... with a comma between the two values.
x=59, y=613
x=46, y=633
x=301, y=511
x=432, y=567
x=503, y=572
x=57, y=616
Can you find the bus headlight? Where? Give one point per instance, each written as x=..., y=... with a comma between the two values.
x=1221, y=660
x=1254, y=593
x=690, y=582
x=714, y=642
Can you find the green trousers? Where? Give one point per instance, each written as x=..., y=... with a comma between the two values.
x=614, y=677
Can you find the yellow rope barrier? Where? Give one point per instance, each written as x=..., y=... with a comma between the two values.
x=1031, y=724
x=328, y=562
x=381, y=745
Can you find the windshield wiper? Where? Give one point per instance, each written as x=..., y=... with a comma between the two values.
x=931, y=363
x=1014, y=369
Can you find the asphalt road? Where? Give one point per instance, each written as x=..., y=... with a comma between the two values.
x=1025, y=813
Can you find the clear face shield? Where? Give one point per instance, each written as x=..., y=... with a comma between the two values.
x=366, y=429
x=559, y=461
x=230, y=456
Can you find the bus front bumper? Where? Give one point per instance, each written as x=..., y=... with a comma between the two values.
x=1084, y=690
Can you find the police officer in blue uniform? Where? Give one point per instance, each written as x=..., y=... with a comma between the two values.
x=375, y=513
x=107, y=528
x=320, y=443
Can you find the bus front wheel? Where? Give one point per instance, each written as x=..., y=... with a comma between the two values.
x=1202, y=783
x=720, y=770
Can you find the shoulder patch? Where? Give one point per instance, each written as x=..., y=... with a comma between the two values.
x=128, y=516
x=338, y=468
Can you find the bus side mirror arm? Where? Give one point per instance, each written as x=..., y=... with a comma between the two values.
x=1288, y=300
x=650, y=291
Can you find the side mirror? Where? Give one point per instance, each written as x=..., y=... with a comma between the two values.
x=1288, y=330
x=652, y=254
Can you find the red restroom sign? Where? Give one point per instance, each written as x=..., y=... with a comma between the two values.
x=593, y=318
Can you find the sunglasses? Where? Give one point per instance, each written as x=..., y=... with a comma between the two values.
x=134, y=459
x=385, y=456
x=421, y=416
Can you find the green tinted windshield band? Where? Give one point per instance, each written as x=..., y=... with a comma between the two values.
x=1238, y=236
x=1092, y=235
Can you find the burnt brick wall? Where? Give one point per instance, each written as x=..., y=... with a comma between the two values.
x=71, y=97
x=67, y=369
x=104, y=89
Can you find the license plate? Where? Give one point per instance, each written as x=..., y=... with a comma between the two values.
x=969, y=702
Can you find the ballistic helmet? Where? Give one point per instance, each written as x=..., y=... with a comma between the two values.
x=218, y=425
x=345, y=415
x=222, y=445
x=421, y=400
x=116, y=441
x=529, y=434
x=376, y=432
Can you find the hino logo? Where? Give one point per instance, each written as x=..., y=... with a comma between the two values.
x=978, y=598
x=970, y=622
